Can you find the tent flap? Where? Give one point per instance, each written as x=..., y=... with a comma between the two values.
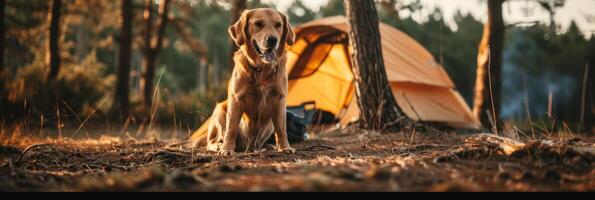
x=432, y=104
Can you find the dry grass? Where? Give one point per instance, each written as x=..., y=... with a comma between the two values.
x=342, y=160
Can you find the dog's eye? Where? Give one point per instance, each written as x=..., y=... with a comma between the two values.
x=278, y=25
x=258, y=24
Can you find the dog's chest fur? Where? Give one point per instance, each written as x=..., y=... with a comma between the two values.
x=263, y=90
x=263, y=79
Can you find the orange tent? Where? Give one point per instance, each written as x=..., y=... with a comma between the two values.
x=320, y=71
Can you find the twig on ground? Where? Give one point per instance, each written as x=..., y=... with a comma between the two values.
x=20, y=157
x=320, y=146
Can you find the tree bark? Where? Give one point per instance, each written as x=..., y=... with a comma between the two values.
x=152, y=49
x=147, y=37
x=375, y=99
x=54, y=48
x=146, y=81
x=2, y=33
x=237, y=7
x=2, y=45
x=121, y=102
x=486, y=103
x=588, y=104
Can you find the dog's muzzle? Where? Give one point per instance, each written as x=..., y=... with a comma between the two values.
x=267, y=55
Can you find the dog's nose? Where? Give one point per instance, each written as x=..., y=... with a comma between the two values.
x=272, y=42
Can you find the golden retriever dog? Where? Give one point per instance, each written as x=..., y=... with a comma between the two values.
x=255, y=107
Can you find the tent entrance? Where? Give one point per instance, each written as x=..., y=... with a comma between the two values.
x=316, y=53
x=322, y=77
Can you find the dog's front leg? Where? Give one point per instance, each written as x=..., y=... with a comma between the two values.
x=234, y=115
x=280, y=125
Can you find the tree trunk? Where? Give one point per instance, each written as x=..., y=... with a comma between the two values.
x=2, y=45
x=203, y=77
x=54, y=48
x=152, y=49
x=2, y=34
x=148, y=35
x=146, y=81
x=587, y=104
x=237, y=7
x=121, y=102
x=486, y=104
x=375, y=99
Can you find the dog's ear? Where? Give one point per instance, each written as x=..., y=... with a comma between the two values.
x=288, y=34
x=237, y=31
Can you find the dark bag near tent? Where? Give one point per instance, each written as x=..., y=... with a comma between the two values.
x=296, y=130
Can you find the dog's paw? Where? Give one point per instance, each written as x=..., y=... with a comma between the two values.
x=288, y=150
x=223, y=152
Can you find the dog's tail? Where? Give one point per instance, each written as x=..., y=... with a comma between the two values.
x=199, y=137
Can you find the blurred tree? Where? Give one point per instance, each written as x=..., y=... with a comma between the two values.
x=121, y=100
x=550, y=6
x=394, y=7
x=486, y=104
x=543, y=64
x=206, y=24
x=589, y=117
x=333, y=8
x=148, y=68
x=2, y=46
x=586, y=117
x=260, y=4
x=53, y=60
x=183, y=29
x=299, y=13
x=27, y=44
x=237, y=8
x=462, y=62
x=390, y=6
x=152, y=47
x=377, y=105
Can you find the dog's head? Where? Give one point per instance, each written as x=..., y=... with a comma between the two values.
x=264, y=32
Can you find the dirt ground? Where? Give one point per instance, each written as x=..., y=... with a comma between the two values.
x=344, y=160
